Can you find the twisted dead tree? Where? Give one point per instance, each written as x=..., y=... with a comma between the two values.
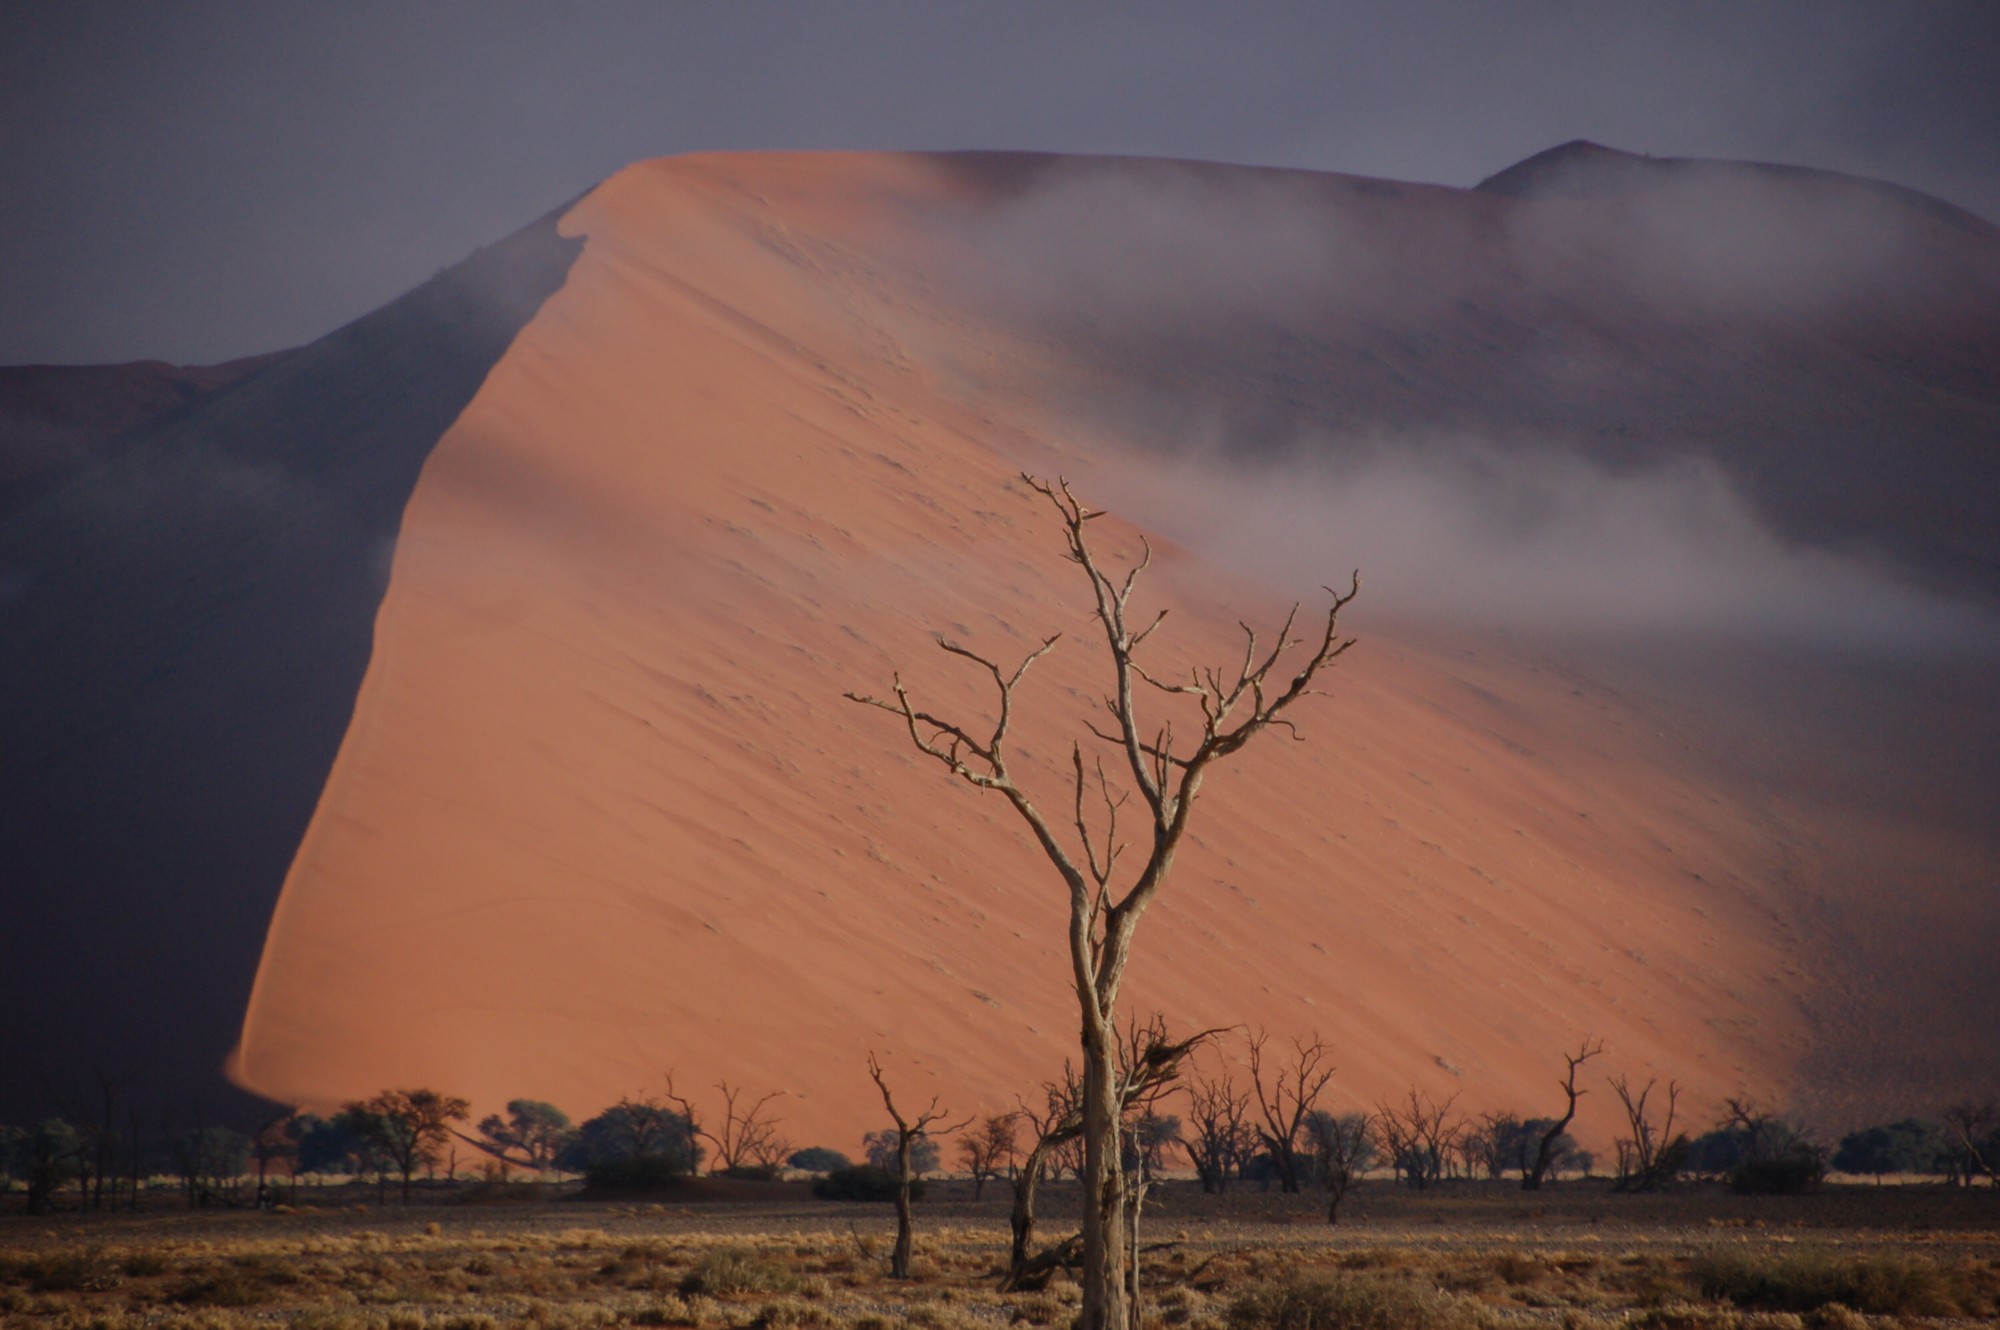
x=908, y=1130
x=1149, y=1065
x=1545, y=1149
x=1227, y=706
x=1059, y=1122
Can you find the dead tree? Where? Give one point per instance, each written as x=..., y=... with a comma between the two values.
x=989, y=1149
x=1059, y=1122
x=1545, y=1150
x=1417, y=1135
x=1649, y=1157
x=1969, y=1131
x=907, y=1131
x=1149, y=1065
x=748, y=1138
x=1226, y=707
x=1342, y=1145
x=1222, y=1137
x=1289, y=1099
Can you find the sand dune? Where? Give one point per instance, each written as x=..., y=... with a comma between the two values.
x=601, y=811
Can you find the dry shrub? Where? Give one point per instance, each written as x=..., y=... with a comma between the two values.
x=1039, y=1309
x=1377, y=1258
x=330, y=1319
x=1347, y=1302
x=790, y=1314
x=1833, y=1316
x=142, y=1264
x=669, y=1310
x=1806, y=1279
x=1517, y=1268
x=88, y=1271
x=1681, y=1316
x=1772, y=1321
x=942, y=1316
x=219, y=1288
x=736, y=1271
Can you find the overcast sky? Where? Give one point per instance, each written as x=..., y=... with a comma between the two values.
x=199, y=181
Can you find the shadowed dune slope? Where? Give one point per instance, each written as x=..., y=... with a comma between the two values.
x=53, y=416
x=601, y=810
x=184, y=619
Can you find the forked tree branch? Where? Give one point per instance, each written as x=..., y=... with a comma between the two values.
x=1233, y=706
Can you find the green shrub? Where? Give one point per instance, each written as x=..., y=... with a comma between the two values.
x=1781, y=1175
x=636, y=1172
x=734, y=1271
x=1346, y=1302
x=864, y=1182
x=819, y=1159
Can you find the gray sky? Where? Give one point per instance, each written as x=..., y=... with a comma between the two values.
x=199, y=181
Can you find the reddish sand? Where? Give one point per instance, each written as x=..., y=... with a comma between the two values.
x=602, y=811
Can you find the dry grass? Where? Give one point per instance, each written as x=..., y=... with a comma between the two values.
x=563, y=1267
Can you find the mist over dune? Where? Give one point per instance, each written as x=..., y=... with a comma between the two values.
x=1675, y=491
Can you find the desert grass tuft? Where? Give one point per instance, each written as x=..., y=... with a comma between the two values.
x=1347, y=1302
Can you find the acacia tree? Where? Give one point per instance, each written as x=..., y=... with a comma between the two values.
x=1342, y=1146
x=1227, y=707
x=532, y=1134
x=411, y=1126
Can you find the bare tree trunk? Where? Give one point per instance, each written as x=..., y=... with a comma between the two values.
x=1531, y=1180
x=899, y=1263
x=1105, y=1306
x=1022, y=1216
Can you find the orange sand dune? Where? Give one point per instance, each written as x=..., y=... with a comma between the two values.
x=602, y=811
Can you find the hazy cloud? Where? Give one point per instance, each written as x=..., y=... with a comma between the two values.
x=1539, y=539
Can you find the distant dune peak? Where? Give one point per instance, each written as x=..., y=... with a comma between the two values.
x=1581, y=169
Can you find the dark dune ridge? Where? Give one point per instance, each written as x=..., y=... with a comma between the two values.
x=53, y=418
x=185, y=614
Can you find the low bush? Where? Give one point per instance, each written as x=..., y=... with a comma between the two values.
x=863, y=1182
x=735, y=1271
x=819, y=1159
x=1782, y=1175
x=1807, y=1279
x=636, y=1172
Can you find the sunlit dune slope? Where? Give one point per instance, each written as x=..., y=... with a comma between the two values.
x=602, y=811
